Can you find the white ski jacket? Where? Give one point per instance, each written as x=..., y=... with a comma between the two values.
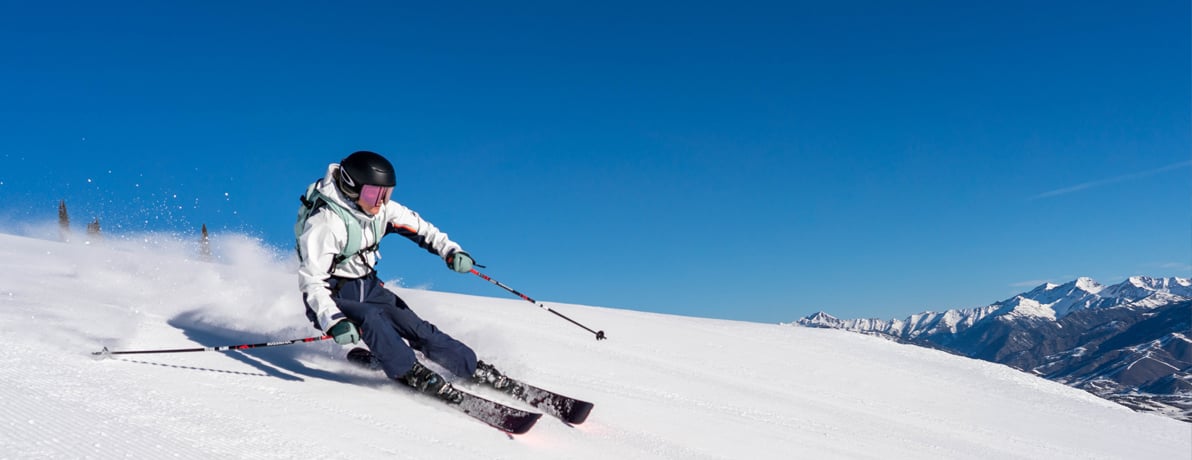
x=325, y=235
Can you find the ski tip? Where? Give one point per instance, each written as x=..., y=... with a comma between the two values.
x=525, y=425
x=579, y=413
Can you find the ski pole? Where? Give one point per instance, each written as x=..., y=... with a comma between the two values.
x=105, y=353
x=599, y=334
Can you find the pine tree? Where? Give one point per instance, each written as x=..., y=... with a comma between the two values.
x=93, y=227
x=63, y=222
x=205, y=245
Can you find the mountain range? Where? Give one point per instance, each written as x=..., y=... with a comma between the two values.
x=1129, y=342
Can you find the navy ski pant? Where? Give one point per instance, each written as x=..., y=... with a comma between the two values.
x=387, y=324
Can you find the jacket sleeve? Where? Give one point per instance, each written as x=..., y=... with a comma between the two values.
x=318, y=245
x=409, y=224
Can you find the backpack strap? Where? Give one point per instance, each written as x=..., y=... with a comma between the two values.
x=313, y=201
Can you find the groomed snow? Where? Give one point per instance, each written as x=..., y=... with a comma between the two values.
x=664, y=386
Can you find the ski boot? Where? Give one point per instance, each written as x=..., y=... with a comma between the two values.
x=364, y=358
x=430, y=382
x=489, y=375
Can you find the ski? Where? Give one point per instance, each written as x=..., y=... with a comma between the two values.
x=565, y=408
x=508, y=419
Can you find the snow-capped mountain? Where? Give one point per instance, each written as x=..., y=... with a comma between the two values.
x=914, y=326
x=1128, y=342
x=1147, y=291
x=1055, y=300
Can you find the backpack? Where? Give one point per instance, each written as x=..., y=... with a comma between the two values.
x=313, y=201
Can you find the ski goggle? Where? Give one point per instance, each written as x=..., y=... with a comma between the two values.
x=375, y=195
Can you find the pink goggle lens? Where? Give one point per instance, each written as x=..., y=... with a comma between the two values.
x=375, y=194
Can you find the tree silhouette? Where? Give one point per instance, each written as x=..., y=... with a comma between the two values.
x=205, y=245
x=63, y=222
x=93, y=227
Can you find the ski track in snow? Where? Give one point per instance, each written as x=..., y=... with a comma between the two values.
x=664, y=386
x=77, y=416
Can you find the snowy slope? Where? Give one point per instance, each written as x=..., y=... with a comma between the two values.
x=664, y=386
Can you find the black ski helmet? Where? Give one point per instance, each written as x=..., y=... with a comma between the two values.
x=364, y=168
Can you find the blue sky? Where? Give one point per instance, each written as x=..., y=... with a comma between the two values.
x=744, y=160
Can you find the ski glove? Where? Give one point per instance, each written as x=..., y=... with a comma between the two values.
x=344, y=333
x=460, y=261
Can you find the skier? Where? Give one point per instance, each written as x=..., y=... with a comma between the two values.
x=343, y=217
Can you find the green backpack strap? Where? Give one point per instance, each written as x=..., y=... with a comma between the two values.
x=312, y=201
